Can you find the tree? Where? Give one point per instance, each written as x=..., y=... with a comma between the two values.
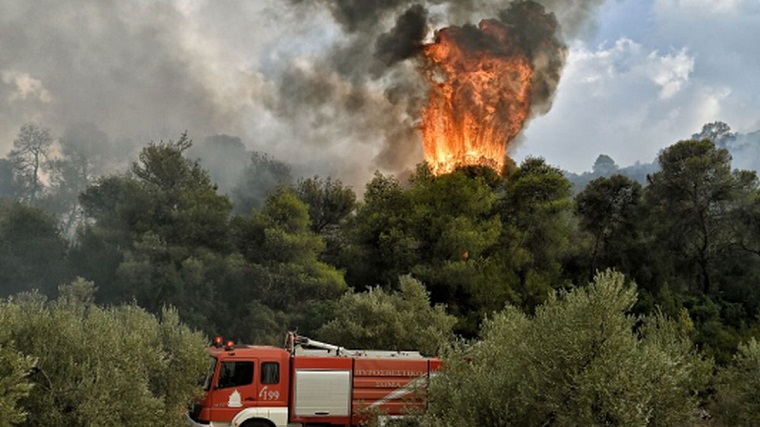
x=454, y=218
x=604, y=166
x=181, y=196
x=289, y=288
x=577, y=361
x=103, y=366
x=737, y=402
x=403, y=320
x=30, y=150
x=610, y=210
x=477, y=240
x=168, y=195
x=691, y=200
x=381, y=247
x=83, y=152
x=158, y=236
x=442, y=230
x=155, y=273
x=117, y=209
x=8, y=185
x=697, y=235
x=15, y=368
x=535, y=211
x=330, y=206
x=717, y=132
x=739, y=267
x=32, y=250
x=262, y=175
x=329, y=202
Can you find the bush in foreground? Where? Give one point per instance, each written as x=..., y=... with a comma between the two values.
x=102, y=366
x=581, y=360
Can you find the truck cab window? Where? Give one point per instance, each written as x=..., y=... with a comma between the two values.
x=270, y=373
x=235, y=374
x=210, y=374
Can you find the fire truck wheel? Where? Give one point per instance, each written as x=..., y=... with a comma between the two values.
x=256, y=423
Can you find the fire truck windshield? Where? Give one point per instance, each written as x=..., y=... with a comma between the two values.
x=210, y=374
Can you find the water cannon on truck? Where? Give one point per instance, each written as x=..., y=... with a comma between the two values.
x=308, y=383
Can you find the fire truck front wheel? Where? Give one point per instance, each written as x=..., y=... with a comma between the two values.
x=256, y=423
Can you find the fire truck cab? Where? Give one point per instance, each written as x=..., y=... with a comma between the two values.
x=308, y=383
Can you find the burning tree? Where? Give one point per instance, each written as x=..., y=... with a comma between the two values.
x=486, y=81
x=465, y=91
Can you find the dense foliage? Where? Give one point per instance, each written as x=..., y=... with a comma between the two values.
x=737, y=402
x=15, y=385
x=407, y=263
x=582, y=359
x=402, y=320
x=96, y=366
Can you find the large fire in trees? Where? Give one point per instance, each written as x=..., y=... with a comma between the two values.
x=484, y=84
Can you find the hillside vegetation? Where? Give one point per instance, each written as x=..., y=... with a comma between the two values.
x=623, y=304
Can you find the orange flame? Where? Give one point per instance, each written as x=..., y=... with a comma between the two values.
x=479, y=99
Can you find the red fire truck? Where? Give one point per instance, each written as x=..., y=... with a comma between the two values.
x=308, y=383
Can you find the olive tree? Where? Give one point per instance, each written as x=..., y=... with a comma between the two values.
x=582, y=359
x=103, y=366
x=737, y=400
x=14, y=382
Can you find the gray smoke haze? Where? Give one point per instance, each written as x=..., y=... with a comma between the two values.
x=744, y=147
x=329, y=86
x=745, y=150
x=118, y=65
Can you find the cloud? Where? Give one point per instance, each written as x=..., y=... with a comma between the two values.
x=671, y=72
x=673, y=66
x=723, y=37
x=627, y=60
x=623, y=100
